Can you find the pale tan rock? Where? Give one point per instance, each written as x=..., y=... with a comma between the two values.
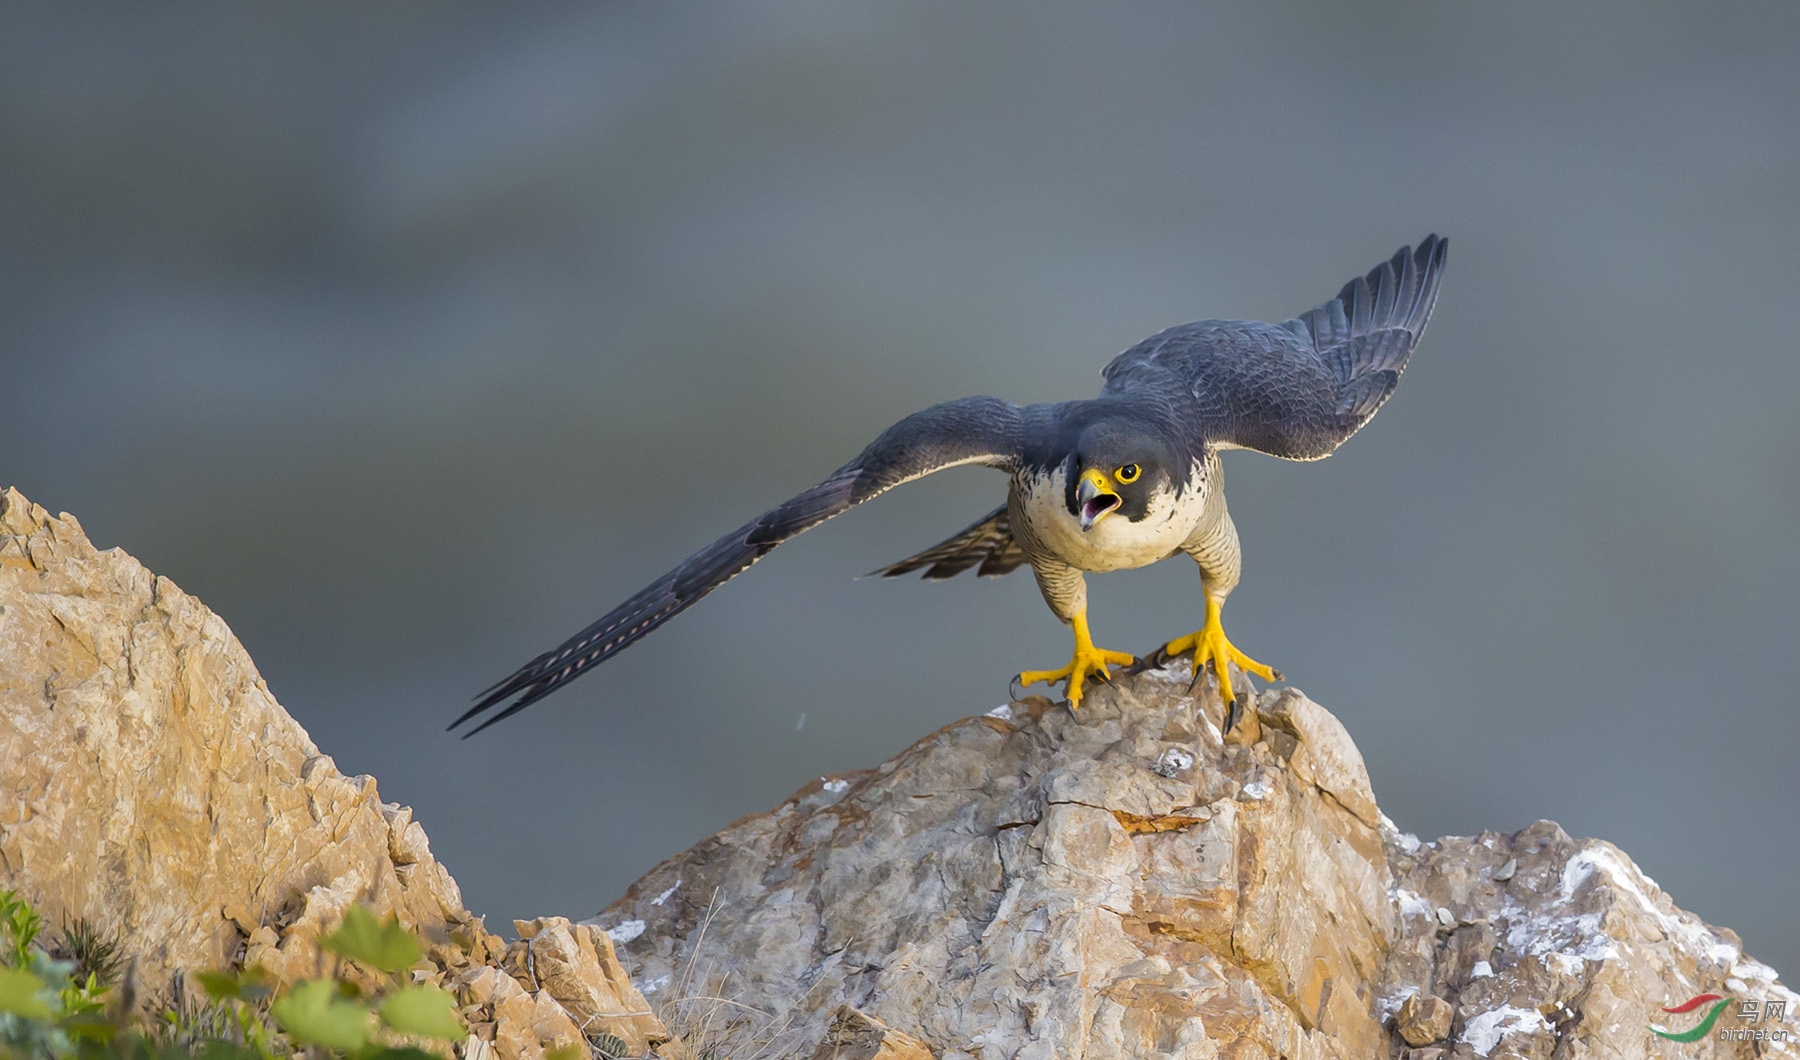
x=856, y=1035
x=1574, y=951
x=1424, y=1019
x=551, y=1023
x=578, y=967
x=515, y=1036
x=485, y=985
x=516, y=962
x=1118, y=882
x=1125, y=882
x=407, y=844
x=1324, y=754
x=152, y=784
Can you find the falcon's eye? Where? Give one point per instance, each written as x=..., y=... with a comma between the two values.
x=1128, y=473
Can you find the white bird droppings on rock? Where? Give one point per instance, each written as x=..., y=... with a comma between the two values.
x=1173, y=762
x=1482, y=1032
x=1412, y=904
x=626, y=931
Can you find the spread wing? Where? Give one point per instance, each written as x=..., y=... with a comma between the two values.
x=1296, y=390
x=978, y=430
x=988, y=541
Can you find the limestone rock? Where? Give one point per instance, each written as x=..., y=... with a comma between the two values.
x=515, y=1037
x=1124, y=881
x=856, y=1035
x=150, y=783
x=577, y=966
x=1423, y=1019
x=153, y=784
x=1574, y=952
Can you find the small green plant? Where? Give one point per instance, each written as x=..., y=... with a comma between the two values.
x=93, y=952
x=46, y=1009
x=231, y=1022
x=54, y=1002
x=333, y=1017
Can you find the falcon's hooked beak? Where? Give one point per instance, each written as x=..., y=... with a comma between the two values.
x=1095, y=495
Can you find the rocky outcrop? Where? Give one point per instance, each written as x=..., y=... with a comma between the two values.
x=150, y=783
x=1123, y=881
x=1128, y=881
x=155, y=785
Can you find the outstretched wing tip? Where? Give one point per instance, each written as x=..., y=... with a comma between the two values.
x=1298, y=389
x=485, y=702
x=971, y=430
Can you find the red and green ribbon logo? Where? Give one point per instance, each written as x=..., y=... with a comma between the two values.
x=1719, y=1005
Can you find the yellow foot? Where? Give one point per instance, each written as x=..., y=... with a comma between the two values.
x=1210, y=644
x=1086, y=660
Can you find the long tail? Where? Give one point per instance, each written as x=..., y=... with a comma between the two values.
x=988, y=541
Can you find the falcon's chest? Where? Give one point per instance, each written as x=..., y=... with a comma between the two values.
x=1041, y=518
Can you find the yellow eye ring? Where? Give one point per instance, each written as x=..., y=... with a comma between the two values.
x=1128, y=473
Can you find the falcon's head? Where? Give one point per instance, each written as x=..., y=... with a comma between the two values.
x=1118, y=466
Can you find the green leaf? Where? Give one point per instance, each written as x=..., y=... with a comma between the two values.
x=401, y=1052
x=425, y=1011
x=93, y=1025
x=252, y=984
x=221, y=1049
x=221, y=986
x=571, y=1051
x=384, y=945
x=312, y=1014
x=19, y=994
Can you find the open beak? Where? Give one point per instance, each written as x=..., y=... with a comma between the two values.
x=1095, y=496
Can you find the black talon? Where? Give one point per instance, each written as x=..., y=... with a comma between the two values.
x=1231, y=715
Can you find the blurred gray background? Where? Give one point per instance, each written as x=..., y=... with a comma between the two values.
x=413, y=337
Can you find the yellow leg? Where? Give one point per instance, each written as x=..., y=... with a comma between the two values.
x=1087, y=660
x=1210, y=643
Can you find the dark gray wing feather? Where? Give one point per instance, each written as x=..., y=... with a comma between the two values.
x=988, y=541
x=974, y=430
x=1296, y=390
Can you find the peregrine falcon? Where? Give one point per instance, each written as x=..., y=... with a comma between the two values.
x=1122, y=480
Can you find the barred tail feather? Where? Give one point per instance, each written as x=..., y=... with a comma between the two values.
x=988, y=541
